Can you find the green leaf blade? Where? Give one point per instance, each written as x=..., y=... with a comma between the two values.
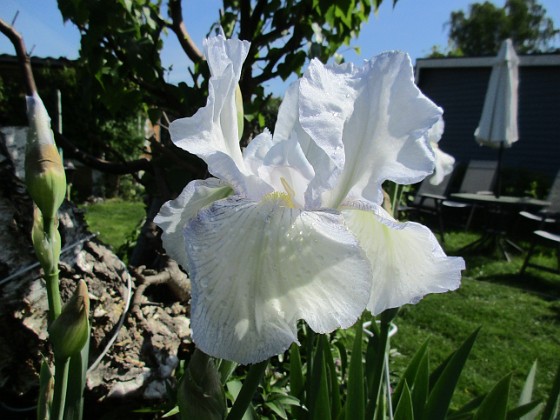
x=355, y=401
x=447, y=377
x=494, y=406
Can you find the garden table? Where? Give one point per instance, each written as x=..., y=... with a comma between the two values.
x=500, y=210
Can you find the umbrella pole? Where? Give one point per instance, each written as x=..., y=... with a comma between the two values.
x=498, y=189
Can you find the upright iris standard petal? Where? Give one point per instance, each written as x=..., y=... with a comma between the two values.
x=174, y=215
x=257, y=268
x=384, y=121
x=411, y=263
x=212, y=132
x=288, y=129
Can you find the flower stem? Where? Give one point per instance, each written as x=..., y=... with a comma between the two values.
x=378, y=368
x=245, y=396
x=53, y=295
x=60, y=385
x=51, y=278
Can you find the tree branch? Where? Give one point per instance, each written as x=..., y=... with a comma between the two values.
x=256, y=16
x=293, y=44
x=25, y=62
x=180, y=30
x=245, y=27
x=117, y=168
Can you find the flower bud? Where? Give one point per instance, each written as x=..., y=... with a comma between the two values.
x=69, y=332
x=47, y=247
x=44, y=172
x=201, y=394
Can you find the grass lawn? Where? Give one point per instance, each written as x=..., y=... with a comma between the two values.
x=519, y=316
x=115, y=220
x=519, y=319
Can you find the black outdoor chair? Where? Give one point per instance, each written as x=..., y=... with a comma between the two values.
x=479, y=178
x=550, y=214
x=427, y=202
x=544, y=237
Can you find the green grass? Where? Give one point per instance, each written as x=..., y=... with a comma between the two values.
x=519, y=315
x=115, y=220
x=519, y=318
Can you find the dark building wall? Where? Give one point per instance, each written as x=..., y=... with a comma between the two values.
x=460, y=92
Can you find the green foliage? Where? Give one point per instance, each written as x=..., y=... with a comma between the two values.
x=86, y=121
x=200, y=394
x=481, y=31
x=356, y=404
x=285, y=34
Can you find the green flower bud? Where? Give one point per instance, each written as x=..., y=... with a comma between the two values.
x=44, y=172
x=240, y=111
x=46, y=247
x=69, y=332
x=201, y=394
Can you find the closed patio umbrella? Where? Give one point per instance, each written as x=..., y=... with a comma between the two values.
x=498, y=123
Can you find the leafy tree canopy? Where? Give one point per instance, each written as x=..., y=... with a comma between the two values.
x=485, y=26
x=122, y=41
x=120, y=62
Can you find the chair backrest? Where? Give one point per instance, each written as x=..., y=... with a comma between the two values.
x=426, y=187
x=554, y=196
x=480, y=176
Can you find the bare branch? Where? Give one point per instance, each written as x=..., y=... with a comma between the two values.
x=245, y=27
x=293, y=44
x=25, y=62
x=117, y=168
x=180, y=30
x=256, y=16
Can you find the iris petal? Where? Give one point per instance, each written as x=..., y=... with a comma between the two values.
x=444, y=162
x=259, y=267
x=212, y=132
x=174, y=215
x=376, y=117
x=289, y=130
x=408, y=262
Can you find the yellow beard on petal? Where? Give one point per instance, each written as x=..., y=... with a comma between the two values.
x=281, y=198
x=284, y=199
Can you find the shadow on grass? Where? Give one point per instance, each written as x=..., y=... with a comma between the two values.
x=530, y=282
x=488, y=264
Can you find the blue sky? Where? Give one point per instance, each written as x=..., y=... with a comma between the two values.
x=413, y=26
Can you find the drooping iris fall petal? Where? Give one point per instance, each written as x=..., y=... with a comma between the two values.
x=413, y=263
x=257, y=268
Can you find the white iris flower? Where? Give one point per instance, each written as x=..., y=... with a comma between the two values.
x=293, y=228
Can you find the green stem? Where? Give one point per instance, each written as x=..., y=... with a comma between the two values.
x=245, y=396
x=60, y=386
x=53, y=295
x=53, y=290
x=378, y=368
x=396, y=199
